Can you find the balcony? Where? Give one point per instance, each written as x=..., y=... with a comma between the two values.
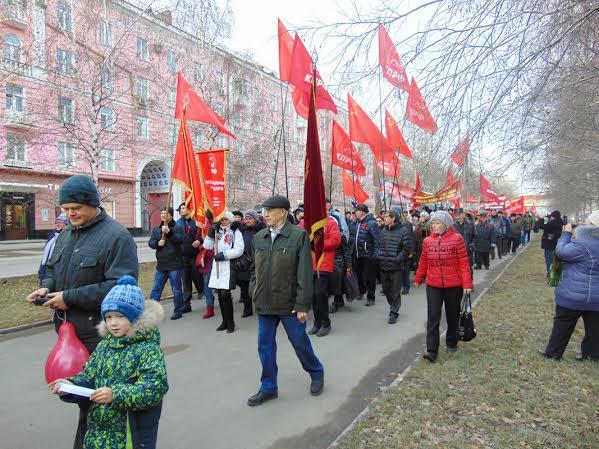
x=15, y=67
x=14, y=14
x=17, y=119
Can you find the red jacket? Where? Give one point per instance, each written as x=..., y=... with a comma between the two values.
x=444, y=261
x=332, y=240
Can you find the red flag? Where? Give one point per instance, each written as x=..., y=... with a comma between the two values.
x=456, y=203
x=195, y=108
x=362, y=129
x=417, y=186
x=514, y=206
x=185, y=173
x=343, y=152
x=213, y=166
x=391, y=62
x=285, y=52
x=390, y=167
x=315, y=213
x=486, y=190
x=471, y=199
x=353, y=188
x=395, y=137
x=533, y=209
x=461, y=151
x=417, y=111
x=300, y=77
x=450, y=178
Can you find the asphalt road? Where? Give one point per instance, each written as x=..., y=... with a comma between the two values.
x=211, y=375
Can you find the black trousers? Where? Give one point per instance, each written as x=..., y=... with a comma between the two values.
x=244, y=287
x=392, y=285
x=435, y=298
x=500, y=246
x=226, y=306
x=564, y=324
x=482, y=258
x=515, y=243
x=320, y=300
x=84, y=406
x=366, y=271
x=191, y=275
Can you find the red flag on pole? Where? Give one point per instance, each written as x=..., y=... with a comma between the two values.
x=486, y=190
x=461, y=151
x=450, y=178
x=395, y=137
x=417, y=111
x=353, y=188
x=185, y=173
x=300, y=77
x=362, y=129
x=471, y=199
x=417, y=186
x=213, y=166
x=195, y=108
x=285, y=52
x=390, y=167
x=390, y=61
x=315, y=213
x=343, y=152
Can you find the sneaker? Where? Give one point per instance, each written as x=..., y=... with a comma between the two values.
x=176, y=316
x=261, y=398
x=316, y=386
x=405, y=291
x=392, y=319
x=314, y=330
x=222, y=327
x=430, y=356
x=477, y=268
x=542, y=352
x=323, y=331
x=369, y=303
x=186, y=308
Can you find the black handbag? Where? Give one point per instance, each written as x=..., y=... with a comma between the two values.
x=466, y=329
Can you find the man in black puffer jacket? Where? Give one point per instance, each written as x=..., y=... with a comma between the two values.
x=365, y=236
x=552, y=231
x=190, y=249
x=396, y=247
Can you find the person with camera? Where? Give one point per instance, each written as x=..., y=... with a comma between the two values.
x=251, y=225
x=226, y=240
x=89, y=257
x=552, y=231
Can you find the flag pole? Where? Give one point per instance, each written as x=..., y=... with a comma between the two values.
x=282, y=140
x=380, y=71
x=331, y=172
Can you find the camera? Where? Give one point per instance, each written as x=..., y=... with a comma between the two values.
x=41, y=300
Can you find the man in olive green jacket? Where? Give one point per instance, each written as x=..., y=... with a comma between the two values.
x=282, y=275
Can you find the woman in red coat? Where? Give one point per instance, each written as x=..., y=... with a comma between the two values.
x=445, y=266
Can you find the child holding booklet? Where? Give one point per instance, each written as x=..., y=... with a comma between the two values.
x=126, y=371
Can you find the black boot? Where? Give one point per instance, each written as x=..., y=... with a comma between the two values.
x=230, y=327
x=222, y=326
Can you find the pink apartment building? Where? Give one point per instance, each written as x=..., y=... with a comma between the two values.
x=90, y=88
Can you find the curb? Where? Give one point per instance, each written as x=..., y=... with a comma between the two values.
x=406, y=371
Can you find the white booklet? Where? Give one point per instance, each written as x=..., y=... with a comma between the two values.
x=74, y=389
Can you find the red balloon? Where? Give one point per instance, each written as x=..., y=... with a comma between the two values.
x=68, y=356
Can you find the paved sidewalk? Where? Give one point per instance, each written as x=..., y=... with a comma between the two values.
x=211, y=375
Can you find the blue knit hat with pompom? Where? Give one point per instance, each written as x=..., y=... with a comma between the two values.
x=126, y=298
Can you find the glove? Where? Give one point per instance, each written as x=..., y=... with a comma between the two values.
x=219, y=257
x=211, y=233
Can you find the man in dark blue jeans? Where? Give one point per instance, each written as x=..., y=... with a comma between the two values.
x=552, y=231
x=166, y=239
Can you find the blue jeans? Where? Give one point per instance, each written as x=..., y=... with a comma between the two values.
x=405, y=276
x=523, y=238
x=267, y=348
x=208, y=291
x=174, y=277
x=548, y=258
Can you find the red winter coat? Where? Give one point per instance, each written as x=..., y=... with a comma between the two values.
x=444, y=261
x=332, y=240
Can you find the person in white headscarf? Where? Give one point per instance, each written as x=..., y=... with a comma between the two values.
x=61, y=222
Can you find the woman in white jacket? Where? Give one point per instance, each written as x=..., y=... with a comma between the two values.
x=227, y=247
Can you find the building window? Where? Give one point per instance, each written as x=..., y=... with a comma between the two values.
x=198, y=139
x=107, y=160
x=106, y=37
x=142, y=49
x=220, y=82
x=198, y=72
x=65, y=109
x=107, y=119
x=66, y=154
x=143, y=127
x=15, y=99
x=106, y=77
x=172, y=96
x=65, y=17
x=15, y=147
x=240, y=149
x=142, y=88
x=171, y=61
x=220, y=142
x=172, y=133
x=241, y=89
x=65, y=62
x=12, y=48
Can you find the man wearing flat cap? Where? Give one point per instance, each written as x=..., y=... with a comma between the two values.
x=282, y=293
x=90, y=255
x=365, y=236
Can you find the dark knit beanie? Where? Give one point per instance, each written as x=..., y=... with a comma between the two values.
x=79, y=189
x=556, y=214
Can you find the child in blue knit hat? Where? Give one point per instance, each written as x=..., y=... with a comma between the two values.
x=126, y=371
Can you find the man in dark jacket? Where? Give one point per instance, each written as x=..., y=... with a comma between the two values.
x=552, y=231
x=166, y=239
x=190, y=249
x=365, y=236
x=486, y=237
x=515, y=232
x=282, y=280
x=90, y=256
x=465, y=228
x=396, y=247
x=250, y=227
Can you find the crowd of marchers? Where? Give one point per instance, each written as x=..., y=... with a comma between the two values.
x=89, y=271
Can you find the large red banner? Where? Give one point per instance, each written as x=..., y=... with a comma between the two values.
x=213, y=167
x=514, y=206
